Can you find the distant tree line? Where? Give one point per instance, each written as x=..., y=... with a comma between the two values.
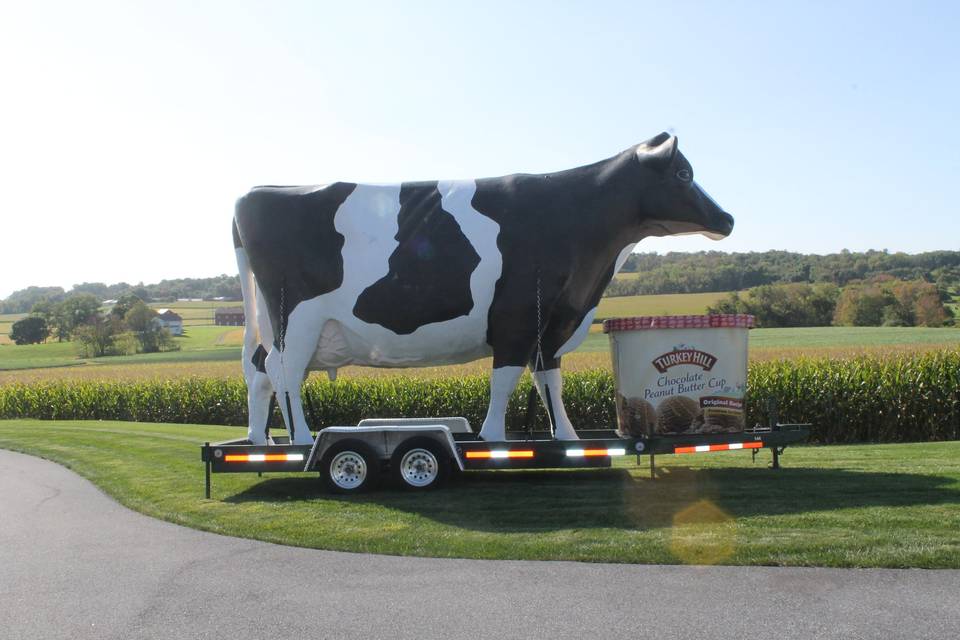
x=711, y=271
x=880, y=301
x=222, y=286
x=846, y=288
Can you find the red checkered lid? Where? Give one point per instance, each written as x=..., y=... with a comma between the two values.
x=715, y=321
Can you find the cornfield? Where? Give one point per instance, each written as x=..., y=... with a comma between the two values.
x=906, y=397
x=863, y=399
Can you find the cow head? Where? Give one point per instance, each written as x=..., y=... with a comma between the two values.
x=672, y=203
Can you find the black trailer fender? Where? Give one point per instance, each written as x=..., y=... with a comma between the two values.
x=383, y=439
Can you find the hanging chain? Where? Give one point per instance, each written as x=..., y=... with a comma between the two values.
x=283, y=333
x=283, y=347
x=283, y=320
x=538, y=363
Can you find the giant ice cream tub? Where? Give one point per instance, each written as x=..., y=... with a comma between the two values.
x=679, y=374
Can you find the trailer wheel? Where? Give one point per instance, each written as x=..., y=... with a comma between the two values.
x=420, y=464
x=350, y=467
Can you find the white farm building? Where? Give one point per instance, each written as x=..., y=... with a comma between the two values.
x=169, y=320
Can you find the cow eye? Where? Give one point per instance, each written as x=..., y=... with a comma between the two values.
x=684, y=175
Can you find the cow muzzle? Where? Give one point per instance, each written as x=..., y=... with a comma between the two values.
x=721, y=229
x=721, y=222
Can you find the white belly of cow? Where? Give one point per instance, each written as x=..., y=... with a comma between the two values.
x=368, y=222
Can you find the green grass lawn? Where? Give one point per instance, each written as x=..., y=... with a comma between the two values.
x=28, y=356
x=198, y=344
x=846, y=506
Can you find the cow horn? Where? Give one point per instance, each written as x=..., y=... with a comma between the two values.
x=659, y=150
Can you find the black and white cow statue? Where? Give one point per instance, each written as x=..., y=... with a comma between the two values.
x=435, y=273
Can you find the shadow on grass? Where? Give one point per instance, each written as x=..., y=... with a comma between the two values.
x=537, y=501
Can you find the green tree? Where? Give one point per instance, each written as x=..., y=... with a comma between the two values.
x=22, y=301
x=139, y=320
x=784, y=305
x=29, y=330
x=96, y=289
x=96, y=337
x=931, y=312
x=733, y=303
x=47, y=309
x=890, y=302
x=123, y=305
x=74, y=312
x=863, y=305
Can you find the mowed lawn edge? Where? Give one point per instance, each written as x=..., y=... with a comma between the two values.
x=838, y=506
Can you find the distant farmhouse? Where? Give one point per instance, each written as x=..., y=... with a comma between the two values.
x=228, y=317
x=169, y=320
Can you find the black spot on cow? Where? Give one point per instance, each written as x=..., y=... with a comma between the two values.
x=259, y=359
x=565, y=231
x=292, y=244
x=429, y=272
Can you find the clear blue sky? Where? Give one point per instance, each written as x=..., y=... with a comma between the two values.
x=127, y=130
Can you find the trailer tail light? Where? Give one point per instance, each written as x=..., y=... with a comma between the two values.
x=590, y=453
x=703, y=448
x=263, y=457
x=499, y=454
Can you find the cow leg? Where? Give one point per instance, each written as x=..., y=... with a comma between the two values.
x=503, y=381
x=287, y=371
x=550, y=378
x=256, y=330
x=287, y=378
x=259, y=389
x=258, y=398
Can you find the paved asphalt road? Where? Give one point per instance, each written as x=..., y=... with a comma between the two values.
x=74, y=564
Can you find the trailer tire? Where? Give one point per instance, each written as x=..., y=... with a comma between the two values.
x=350, y=466
x=420, y=464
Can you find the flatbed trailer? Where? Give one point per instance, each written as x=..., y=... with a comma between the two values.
x=419, y=453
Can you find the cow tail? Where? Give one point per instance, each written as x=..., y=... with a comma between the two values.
x=253, y=347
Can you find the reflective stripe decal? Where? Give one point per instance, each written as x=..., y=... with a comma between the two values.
x=499, y=454
x=587, y=453
x=703, y=448
x=263, y=457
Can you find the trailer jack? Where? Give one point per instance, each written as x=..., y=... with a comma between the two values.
x=776, y=451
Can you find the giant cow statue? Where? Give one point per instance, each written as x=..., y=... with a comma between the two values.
x=444, y=272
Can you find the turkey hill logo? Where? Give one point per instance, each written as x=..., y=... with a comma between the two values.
x=696, y=357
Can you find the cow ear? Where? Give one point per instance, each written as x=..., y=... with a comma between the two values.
x=658, y=151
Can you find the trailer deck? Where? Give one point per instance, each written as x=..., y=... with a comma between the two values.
x=417, y=451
